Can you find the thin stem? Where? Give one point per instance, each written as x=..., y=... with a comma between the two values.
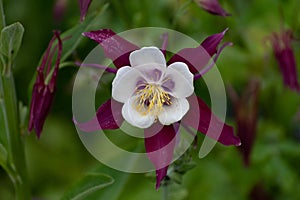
x=2, y=16
x=165, y=192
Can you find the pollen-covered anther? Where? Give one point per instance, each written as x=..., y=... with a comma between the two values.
x=151, y=99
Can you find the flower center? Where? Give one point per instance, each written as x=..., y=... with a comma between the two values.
x=151, y=99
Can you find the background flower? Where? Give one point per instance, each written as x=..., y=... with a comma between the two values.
x=45, y=85
x=284, y=54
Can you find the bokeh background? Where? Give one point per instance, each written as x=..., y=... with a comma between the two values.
x=58, y=159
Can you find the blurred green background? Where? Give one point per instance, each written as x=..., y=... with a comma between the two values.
x=58, y=159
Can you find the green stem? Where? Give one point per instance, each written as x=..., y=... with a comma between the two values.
x=16, y=156
x=15, y=165
x=165, y=192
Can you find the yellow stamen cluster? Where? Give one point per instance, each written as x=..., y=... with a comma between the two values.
x=151, y=99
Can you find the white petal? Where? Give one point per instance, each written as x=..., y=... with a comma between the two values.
x=135, y=118
x=147, y=55
x=125, y=83
x=179, y=80
x=174, y=112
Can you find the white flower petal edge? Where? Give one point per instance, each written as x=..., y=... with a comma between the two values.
x=147, y=55
x=183, y=80
x=124, y=84
x=135, y=118
x=174, y=112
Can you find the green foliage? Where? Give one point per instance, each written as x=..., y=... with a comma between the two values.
x=75, y=33
x=10, y=42
x=89, y=184
x=11, y=39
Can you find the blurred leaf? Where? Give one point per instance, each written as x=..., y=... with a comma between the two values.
x=177, y=192
x=11, y=39
x=88, y=185
x=176, y=177
x=76, y=33
x=117, y=190
x=23, y=112
x=290, y=149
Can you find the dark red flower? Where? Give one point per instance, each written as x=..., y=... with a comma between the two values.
x=45, y=85
x=213, y=7
x=246, y=108
x=160, y=147
x=284, y=54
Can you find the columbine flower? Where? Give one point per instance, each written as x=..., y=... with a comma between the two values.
x=281, y=43
x=84, y=6
x=213, y=7
x=245, y=107
x=147, y=93
x=152, y=91
x=44, y=87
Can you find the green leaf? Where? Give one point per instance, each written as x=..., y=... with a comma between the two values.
x=23, y=113
x=75, y=33
x=11, y=39
x=88, y=185
x=117, y=190
x=3, y=156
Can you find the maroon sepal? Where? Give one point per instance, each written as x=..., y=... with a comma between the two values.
x=285, y=57
x=197, y=58
x=115, y=47
x=160, y=143
x=200, y=117
x=108, y=116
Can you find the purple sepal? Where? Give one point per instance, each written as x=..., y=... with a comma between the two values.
x=197, y=58
x=160, y=147
x=115, y=47
x=218, y=130
x=285, y=57
x=84, y=6
x=108, y=116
